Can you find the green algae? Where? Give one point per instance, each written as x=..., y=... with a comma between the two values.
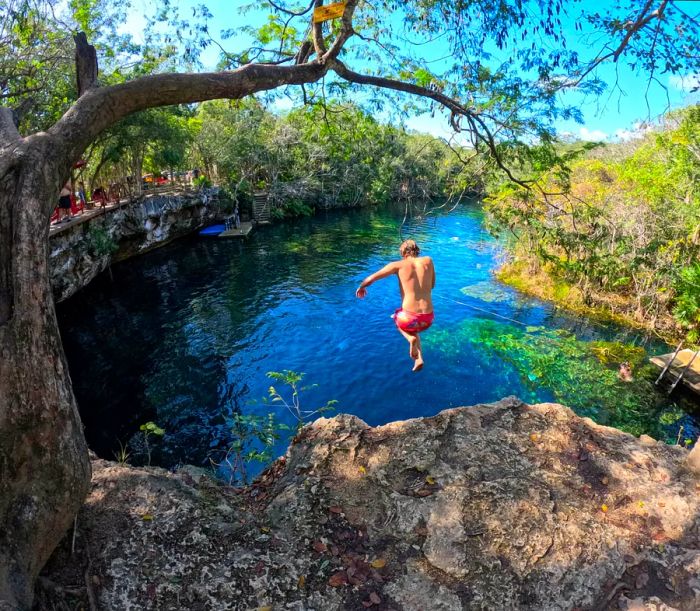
x=487, y=291
x=555, y=365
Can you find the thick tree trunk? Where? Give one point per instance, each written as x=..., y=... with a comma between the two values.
x=44, y=466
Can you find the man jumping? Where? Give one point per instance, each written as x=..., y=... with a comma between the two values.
x=416, y=281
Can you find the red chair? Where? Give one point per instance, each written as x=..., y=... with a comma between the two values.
x=75, y=205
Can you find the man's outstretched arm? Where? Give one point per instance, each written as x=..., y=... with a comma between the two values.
x=388, y=270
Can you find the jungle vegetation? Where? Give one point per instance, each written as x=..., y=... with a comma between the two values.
x=620, y=231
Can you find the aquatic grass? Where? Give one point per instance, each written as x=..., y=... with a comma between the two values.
x=488, y=291
x=576, y=373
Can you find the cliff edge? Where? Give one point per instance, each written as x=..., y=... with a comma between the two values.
x=499, y=506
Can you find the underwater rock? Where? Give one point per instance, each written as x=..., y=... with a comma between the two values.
x=498, y=506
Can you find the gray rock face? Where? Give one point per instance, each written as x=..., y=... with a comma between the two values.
x=82, y=250
x=500, y=506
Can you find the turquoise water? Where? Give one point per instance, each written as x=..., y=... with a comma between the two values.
x=185, y=335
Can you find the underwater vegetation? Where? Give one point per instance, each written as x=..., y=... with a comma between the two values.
x=554, y=364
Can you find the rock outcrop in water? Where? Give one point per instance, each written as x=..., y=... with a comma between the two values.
x=500, y=506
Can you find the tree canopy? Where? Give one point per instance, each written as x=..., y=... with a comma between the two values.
x=504, y=71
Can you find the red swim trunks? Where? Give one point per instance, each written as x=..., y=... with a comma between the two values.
x=410, y=322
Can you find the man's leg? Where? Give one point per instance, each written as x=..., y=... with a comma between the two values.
x=418, y=365
x=413, y=342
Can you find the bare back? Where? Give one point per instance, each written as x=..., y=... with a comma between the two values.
x=416, y=282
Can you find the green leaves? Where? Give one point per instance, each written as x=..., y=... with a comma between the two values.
x=293, y=404
x=151, y=428
x=687, y=300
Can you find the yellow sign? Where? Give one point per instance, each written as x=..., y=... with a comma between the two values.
x=331, y=11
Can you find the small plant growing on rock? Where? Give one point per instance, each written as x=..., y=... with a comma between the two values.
x=100, y=242
x=148, y=429
x=293, y=404
x=254, y=439
x=122, y=455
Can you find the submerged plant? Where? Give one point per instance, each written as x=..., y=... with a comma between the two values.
x=582, y=375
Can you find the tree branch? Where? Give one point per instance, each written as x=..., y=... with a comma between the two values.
x=8, y=126
x=346, y=31
x=85, y=63
x=632, y=29
x=288, y=12
x=101, y=107
x=477, y=124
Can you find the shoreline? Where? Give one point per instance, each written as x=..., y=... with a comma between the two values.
x=543, y=286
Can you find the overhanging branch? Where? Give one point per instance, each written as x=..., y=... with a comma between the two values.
x=477, y=125
x=101, y=107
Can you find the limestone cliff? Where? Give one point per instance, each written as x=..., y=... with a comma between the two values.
x=81, y=250
x=500, y=506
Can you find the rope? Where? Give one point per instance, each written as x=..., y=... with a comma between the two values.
x=517, y=322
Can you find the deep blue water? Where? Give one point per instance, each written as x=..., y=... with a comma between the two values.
x=185, y=335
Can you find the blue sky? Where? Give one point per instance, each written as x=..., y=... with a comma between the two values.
x=616, y=114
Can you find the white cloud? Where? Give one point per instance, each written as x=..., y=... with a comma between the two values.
x=684, y=82
x=436, y=125
x=638, y=130
x=594, y=135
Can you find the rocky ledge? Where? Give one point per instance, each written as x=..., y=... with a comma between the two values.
x=500, y=506
x=81, y=250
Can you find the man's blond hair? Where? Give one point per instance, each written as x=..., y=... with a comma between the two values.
x=409, y=248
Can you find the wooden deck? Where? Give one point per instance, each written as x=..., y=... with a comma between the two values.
x=82, y=217
x=241, y=232
x=691, y=378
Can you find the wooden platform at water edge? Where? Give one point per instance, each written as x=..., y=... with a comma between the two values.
x=241, y=232
x=691, y=375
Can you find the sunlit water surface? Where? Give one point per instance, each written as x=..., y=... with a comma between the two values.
x=184, y=337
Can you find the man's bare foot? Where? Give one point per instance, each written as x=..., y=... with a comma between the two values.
x=418, y=365
x=413, y=348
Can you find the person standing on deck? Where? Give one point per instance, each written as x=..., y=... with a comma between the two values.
x=64, y=203
x=416, y=281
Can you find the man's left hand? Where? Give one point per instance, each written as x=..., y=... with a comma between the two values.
x=361, y=292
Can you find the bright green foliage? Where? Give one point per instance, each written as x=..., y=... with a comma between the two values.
x=37, y=65
x=687, y=300
x=628, y=233
x=322, y=154
x=148, y=429
x=153, y=141
x=151, y=428
x=582, y=375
